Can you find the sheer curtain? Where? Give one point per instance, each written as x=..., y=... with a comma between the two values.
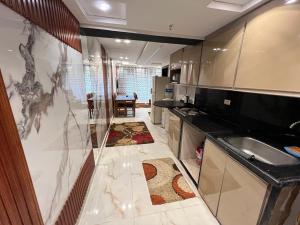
x=136, y=79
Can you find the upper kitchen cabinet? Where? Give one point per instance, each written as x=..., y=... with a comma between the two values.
x=194, y=57
x=176, y=59
x=271, y=49
x=191, y=64
x=220, y=56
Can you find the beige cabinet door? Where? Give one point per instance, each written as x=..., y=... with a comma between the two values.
x=194, y=57
x=174, y=131
x=271, y=49
x=220, y=56
x=242, y=196
x=184, y=72
x=191, y=139
x=185, y=65
x=211, y=175
x=176, y=59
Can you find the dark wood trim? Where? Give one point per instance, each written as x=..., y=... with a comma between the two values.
x=137, y=36
x=112, y=86
x=53, y=16
x=71, y=210
x=105, y=82
x=16, y=188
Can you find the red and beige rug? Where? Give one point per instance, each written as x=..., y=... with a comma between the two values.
x=130, y=133
x=165, y=182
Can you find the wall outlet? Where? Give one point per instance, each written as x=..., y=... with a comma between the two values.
x=227, y=102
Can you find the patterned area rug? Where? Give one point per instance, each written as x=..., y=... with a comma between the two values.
x=165, y=182
x=130, y=133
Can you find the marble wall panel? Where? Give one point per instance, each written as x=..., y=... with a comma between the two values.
x=45, y=84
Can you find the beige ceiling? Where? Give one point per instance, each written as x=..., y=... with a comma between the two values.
x=191, y=18
x=140, y=52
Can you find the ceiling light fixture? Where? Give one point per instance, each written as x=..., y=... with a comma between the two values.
x=127, y=41
x=290, y=1
x=121, y=57
x=234, y=5
x=103, y=6
x=118, y=40
x=10, y=50
x=126, y=57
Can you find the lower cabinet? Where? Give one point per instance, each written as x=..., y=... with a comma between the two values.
x=233, y=193
x=191, y=138
x=242, y=196
x=174, y=132
x=211, y=177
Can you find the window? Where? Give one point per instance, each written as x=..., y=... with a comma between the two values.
x=136, y=79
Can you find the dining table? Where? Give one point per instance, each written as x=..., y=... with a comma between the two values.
x=124, y=101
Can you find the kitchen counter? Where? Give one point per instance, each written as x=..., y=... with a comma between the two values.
x=214, y=129
x=169, y=104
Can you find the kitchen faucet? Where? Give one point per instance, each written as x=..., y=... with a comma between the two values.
x=294, y=124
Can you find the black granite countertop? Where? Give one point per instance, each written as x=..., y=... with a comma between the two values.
x=215, y=128
x=169, y=104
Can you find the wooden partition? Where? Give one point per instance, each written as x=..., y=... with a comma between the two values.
x=105, y=82
x=69, y=213
x=51, y=15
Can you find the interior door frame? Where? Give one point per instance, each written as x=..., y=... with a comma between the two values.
x=18, y=202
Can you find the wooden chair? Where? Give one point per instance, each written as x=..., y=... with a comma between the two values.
x=90, y=103
x=119, y=108
x=132, y=106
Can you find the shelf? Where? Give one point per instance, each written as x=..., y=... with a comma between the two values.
x=192, y=167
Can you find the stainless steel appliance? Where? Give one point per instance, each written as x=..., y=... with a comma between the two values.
x=158, y=93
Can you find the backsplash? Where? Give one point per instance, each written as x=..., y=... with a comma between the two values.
x=250, y=110
x=181, y=91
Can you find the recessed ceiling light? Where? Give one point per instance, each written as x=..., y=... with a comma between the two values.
x=10, y=50
x=290, y=1
x=233, y=5
x=118, y=40
x=103, y=6
x=121, y=57
x=127, y=41
x=126, y=58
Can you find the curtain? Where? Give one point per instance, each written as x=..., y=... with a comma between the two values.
x=136, y=79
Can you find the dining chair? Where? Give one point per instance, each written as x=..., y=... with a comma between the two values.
x=118, y=107
x=90, y=103
x=132, y=105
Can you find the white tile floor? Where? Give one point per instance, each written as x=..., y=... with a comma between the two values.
x=118, y=194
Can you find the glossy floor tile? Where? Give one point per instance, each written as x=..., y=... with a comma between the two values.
x=118, y=194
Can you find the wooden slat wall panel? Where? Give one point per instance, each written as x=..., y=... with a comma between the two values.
x=8, y=200
x=53, y=16
x=72, y=207
x=4, y=219
x=112, y=84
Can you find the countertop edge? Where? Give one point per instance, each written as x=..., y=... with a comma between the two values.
x=257, y=171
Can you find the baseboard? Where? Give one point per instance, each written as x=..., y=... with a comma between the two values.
x=71, y=210
x=104, y=141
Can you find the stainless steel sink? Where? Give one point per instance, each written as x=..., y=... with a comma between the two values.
x=261, y=151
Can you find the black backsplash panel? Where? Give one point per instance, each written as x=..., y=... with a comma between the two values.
x=255, y=112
